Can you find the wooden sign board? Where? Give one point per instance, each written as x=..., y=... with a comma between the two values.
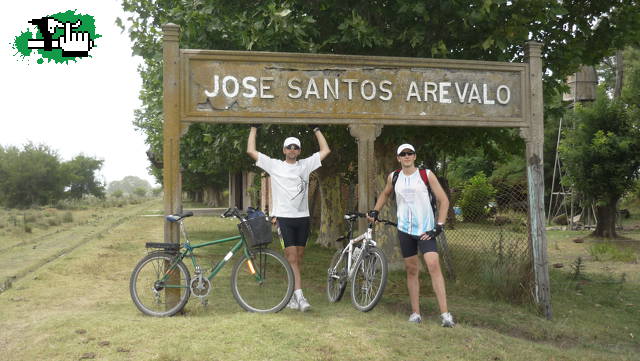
x=240, y=87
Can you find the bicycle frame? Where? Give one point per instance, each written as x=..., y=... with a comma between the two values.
x=367, y=239
x=189, y=252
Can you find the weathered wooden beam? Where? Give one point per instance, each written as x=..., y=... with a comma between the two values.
x=171, y=129
x=534, y=138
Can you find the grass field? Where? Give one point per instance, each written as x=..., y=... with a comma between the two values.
x=72, y=302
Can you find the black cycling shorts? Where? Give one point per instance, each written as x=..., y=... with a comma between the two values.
x=295, y=231
x=409, y=244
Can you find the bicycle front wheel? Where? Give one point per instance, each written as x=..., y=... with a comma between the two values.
x=369, y=279
x=151, y=294
x=337, y=276
x=262, y=283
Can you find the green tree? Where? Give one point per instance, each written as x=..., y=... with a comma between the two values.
x=81, y=180
x=30, y=176
x=573, y=33
x=475, y=198
x=127, y=185
x=602, y=156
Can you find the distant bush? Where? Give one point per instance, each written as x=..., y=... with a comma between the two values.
x=475, y=198
x=67, y=217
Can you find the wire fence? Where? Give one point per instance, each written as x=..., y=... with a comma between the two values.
x=486, y=243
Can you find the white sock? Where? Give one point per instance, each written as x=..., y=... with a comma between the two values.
x=298, y=293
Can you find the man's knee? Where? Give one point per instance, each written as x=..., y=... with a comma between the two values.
x=412, y=267
x=432, y=261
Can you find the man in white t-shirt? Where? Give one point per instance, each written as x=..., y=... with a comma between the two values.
x=289, y=189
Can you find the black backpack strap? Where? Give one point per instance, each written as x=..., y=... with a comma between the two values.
x=394, y=179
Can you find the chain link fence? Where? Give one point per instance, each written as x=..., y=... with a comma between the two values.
x=486, y=243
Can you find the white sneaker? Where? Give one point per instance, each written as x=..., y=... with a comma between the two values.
x=415, y=318
x=293, y=303
x=447, y=320
x=303, y=304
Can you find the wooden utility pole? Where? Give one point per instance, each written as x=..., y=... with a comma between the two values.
x=534, y=138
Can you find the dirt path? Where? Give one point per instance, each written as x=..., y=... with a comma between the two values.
x=19, y=260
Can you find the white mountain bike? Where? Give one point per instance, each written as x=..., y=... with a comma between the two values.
x=361, y=262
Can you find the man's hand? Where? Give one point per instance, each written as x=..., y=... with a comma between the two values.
x=255, y=125
x=372, y=215
x=439, y=228
x=314, y=127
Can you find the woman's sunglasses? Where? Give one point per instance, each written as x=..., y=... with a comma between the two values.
x=402, y=154
x=292, y=146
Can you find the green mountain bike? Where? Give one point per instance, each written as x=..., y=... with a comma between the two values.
x=261, y=280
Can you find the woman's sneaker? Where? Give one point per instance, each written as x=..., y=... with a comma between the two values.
x=447, y=320
x=415, y=318
x=293, y=303
x=303, y=304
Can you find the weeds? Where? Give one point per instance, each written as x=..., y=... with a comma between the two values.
x=607, y=251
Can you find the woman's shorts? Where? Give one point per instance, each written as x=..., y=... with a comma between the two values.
x=409, y=244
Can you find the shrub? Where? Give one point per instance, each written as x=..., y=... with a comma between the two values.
x=67, y=217
x=475, y=198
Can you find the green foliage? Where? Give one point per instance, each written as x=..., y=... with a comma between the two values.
x=602, y=153
x=127, y=185
x=30, y=176
x=477, y=194
x=80, y=173
x=572, y=34
x=140, y=192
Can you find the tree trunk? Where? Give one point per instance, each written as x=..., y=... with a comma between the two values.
x=619, y=74
x=333, y=206
x=606, y=223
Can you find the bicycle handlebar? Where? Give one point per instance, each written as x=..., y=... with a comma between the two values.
x=233, y=211
x=351, y=216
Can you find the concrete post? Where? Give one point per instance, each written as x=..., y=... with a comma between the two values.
x=365, y=135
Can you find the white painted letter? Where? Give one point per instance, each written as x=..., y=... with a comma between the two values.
x=433, y=91
x=385, y=90
x=484, y=95
x=264, y=87
x=294, y=87
x=444, y=92
x=314, y=91
x=212, y=94
x=236, y=86
x=373, y=90
x=350, y=82
x=474, y=94
x=507, y=90
x=334, y=91
x=253, y=91
x=463, y=95
x=413, y=91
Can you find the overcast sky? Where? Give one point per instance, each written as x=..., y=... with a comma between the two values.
x=76, y=108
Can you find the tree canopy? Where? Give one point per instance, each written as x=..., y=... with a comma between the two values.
x=572, y=33
x=35, y=175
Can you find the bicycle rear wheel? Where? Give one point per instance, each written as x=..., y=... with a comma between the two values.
x=369, y=279
x=262, y=283
x=337, y=277
x=153, y=296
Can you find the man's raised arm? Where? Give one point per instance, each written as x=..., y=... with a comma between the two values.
x=251, y=143
x=322, y=142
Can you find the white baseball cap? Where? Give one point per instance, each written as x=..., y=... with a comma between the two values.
x=405, y=146
x=291, y=140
